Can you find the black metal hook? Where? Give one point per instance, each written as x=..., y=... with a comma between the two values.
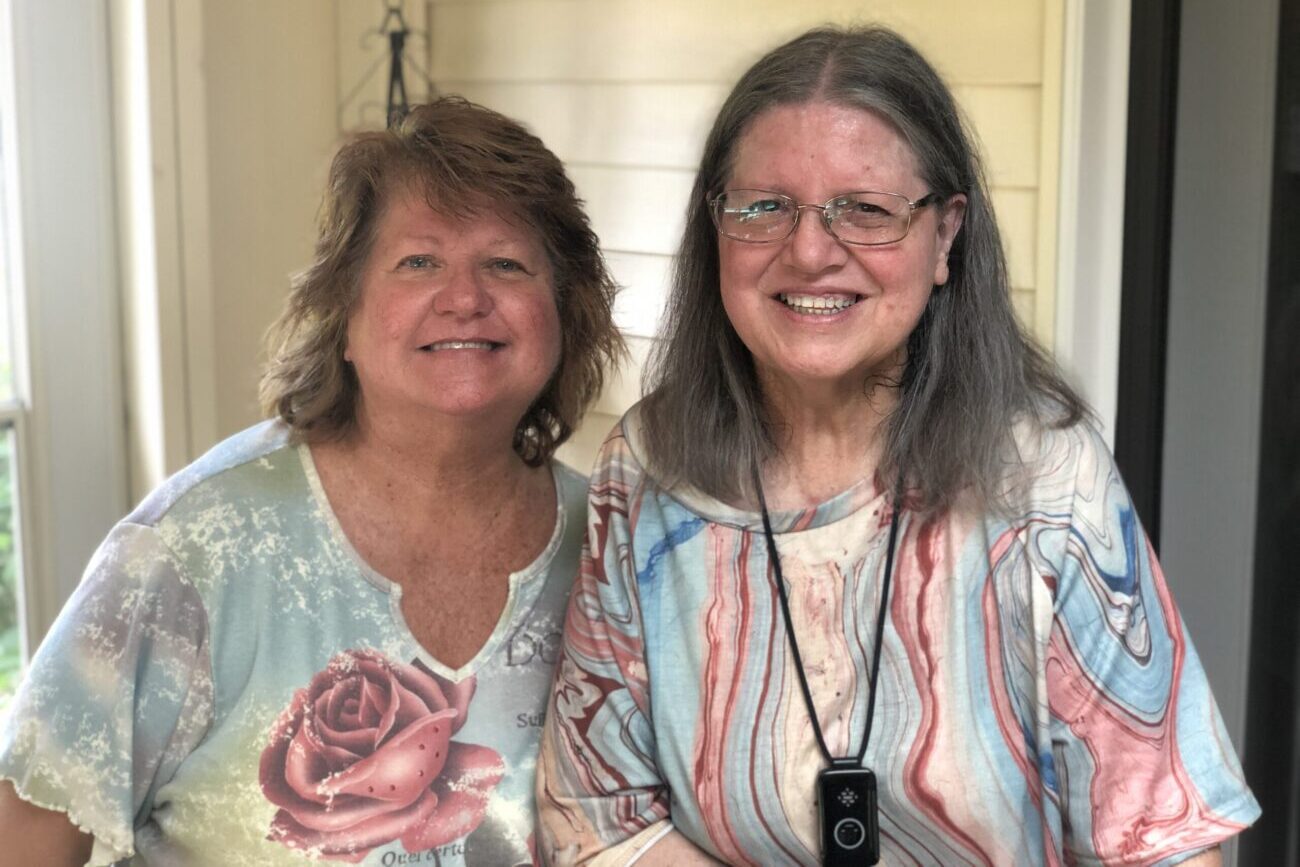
x=400, y=37
x=398, y=105
x=393, y=9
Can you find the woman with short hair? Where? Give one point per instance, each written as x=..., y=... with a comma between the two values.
x=331, y=637
x=863, y=581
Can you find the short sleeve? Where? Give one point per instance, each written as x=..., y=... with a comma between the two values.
x=1144, y=767
x=600, y=794
x=118, y=694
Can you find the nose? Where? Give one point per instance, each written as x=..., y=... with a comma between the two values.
x=812, y=248
x=463, y=295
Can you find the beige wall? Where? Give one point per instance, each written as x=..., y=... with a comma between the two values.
x=270, y=84
x=622, y=90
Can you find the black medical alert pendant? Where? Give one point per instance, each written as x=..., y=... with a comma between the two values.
x=846, y=799
x=846, y=791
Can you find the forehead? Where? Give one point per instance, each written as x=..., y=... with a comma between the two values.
x=819, y=149
x=407, y=212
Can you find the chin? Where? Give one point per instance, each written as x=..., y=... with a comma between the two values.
x=473, y=406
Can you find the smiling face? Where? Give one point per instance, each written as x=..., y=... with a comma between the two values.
x=456, y=317
x=815, y=312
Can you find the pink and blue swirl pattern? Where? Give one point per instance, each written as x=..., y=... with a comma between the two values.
x=1039, y=700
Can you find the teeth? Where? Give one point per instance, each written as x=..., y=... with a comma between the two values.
x=818, y=305
x=458, y=344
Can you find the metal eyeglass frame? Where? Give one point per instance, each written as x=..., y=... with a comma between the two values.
x=912, y=207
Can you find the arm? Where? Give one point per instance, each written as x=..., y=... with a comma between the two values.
x=601, y=797
x=115, y=697
x=1147, y=770
x=36, y=836
x=1208, y=858
x=674, y=850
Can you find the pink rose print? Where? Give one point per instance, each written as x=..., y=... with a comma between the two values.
x=363, y=756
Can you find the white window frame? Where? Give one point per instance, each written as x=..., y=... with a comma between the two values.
x=1094, y=148
x=71, y=458
x=160, y=132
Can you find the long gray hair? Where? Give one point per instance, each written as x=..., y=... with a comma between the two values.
x=971, y=371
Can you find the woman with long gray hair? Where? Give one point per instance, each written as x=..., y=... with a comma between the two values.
x=862, y=581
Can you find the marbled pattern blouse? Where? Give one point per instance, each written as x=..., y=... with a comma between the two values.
x=1039, y=699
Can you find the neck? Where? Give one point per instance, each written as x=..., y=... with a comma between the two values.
x=428, y=463
x=828, y=439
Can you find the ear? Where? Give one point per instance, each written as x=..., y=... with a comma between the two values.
x=951, y=214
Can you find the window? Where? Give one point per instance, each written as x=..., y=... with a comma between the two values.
x=62, y=428
x=11, y=416
x=11, y=644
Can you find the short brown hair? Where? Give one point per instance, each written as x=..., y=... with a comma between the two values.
x=465, y=159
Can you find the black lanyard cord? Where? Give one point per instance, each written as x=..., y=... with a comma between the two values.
x=794, y=643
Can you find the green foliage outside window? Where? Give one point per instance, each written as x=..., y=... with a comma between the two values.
x=10, y=652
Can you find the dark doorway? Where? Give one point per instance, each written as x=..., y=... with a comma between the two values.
x=1144, y=299
x=1273, y=725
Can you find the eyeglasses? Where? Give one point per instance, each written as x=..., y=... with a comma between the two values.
x=866, y=218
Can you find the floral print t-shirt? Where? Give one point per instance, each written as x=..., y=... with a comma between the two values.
x=1039, y=700
x=231, y=684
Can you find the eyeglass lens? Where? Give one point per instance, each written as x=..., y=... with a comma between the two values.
x=858, y=218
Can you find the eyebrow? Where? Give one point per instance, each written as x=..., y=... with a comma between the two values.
x=421, y=237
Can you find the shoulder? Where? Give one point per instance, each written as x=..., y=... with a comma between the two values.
x=623, y=467
x=1061, y=497
x=571, y=506
x=570, y=485
x=147, y=558
x=249, y=458
x=625, y=456
x=244, y=510
x=1061, y=465
x=618, y=462
x=1078, y=514
x=624, y=445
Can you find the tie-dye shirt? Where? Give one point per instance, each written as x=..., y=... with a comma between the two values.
x=232, y=685
x=1039, y=701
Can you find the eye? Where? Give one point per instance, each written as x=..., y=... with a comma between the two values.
x=757, y=209
x=418, y=262
x=863, y=212
x=857, y=207
x=760, y=208
x=507, y=266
